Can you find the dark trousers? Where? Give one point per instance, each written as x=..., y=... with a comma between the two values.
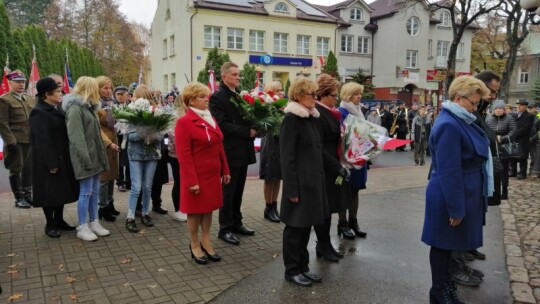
x=124, y=177
x=19, y=162
x=54, y=215
x=522, y=166
x=175, y=168
x=295, y=253
x=439, y=260
x=401, y=135
x=230, y=216
x=323, y=232
x=500, y=181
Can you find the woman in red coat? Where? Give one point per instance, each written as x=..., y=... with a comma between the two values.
x=203, y=167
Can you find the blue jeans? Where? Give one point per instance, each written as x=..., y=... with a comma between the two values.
x=88, y=199
x=142, y=175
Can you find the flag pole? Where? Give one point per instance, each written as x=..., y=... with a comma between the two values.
x=34, y=51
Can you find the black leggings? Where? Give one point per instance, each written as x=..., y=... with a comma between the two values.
x=439, y=259
x=54, y=215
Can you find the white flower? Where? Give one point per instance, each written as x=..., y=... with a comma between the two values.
x=268, y=99
x=244, y=93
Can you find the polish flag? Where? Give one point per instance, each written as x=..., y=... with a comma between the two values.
x=68, y=83
x=34, y=77
x=4, y=87
x=212, y=82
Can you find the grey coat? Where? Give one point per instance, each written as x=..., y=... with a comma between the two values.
x=302, y=169
x=504, y=126
x=86, y=148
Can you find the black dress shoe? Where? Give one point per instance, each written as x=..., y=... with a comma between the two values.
x=230, y=238
x=212, y=257
x=313, y=277
x=338, y=254
x=463, y=278
x=23, y=204
x=199, y=260
x=62, y=225
x=243, y=230
x=477, y=254
x=147, y=221
x=299, y=280
x=52, y=232
x=325, y=252
x=160, y=210
x=353, y=225
x=132, y=226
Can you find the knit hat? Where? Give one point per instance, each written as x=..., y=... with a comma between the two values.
x=498, y=104
x=45, y=85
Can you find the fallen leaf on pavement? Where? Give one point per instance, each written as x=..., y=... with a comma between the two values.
x=161, y=239
x=127, y=260
x=73, y=297
x=127, y=284
x=14, y=297
x=92, y=279
x=132, y=269
x=11, y=254
x=55, y=298
x=13, y=266
x=260, y=248
x=142, y=231
x=275, y=255
x=12, y=272
x=61, y=267
x=161, y=270
x=70, y=280
x=152, y=286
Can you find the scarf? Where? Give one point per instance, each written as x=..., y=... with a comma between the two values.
x=205, y=114
x=352, y=109
x=469, y=118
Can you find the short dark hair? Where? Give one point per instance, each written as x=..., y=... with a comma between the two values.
x=487, y=76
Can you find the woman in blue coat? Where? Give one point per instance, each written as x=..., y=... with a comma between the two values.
x=461, y=163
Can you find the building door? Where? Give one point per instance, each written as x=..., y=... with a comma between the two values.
x=406, y=94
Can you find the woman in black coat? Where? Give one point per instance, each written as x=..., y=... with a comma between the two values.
x=303, y=200
x=339, y=197
x=53, y=180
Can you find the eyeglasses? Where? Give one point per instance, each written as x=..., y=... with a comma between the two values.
x=333, y=95
x=312, y=95
x=474, y=104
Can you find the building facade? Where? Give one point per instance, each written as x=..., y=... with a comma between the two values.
x=526, y=70
x=282, y=38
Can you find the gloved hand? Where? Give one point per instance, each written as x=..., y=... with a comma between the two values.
x=344, y=172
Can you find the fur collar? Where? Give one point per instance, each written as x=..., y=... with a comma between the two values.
x=74, y=99
x=300, y=111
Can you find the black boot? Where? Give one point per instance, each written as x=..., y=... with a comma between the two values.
x=112, y=209
x=16, y=187
x=269, y=214
x=336, y=253
x=440, y=296
x=353, y=225
x=105, y=214
x=323, y=250
x=276, y=212
x=504, y=194
x=27, y=194
x=452, y=291
x=343, y=228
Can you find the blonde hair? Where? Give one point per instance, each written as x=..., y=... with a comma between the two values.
x=466, y=86
x=142, y=91
x=327, y=85
x=273, y=86
x=350, y=89
x=103, y=81
x=88, y=89
x=300, y=87
x=192, y=91
x=179, y=105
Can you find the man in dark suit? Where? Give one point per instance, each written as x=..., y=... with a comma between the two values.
x=239, y=149
x=524, y=124
x=402, y=122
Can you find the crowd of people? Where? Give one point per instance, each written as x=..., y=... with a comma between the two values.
x=79, y=155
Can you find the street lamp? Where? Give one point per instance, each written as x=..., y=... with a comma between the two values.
x=531, y=5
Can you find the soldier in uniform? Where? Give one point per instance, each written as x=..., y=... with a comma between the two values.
x=15, y=108
x=402, y=122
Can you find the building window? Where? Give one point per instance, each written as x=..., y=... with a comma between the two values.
x=442, y=48
x=302, y=44
x=165, y=83
x=280, y=42
x=411, y=58
x=430, y=48
x=347, y=43
x=413, y=26
x=235, y=39
x=356, y=14
x=212, y=36
x=173, y=79
x=461, y=51
x=168, y=14
x=322, y=46
x=523, y=76
x=256, y=41
x=171, y=44
x=363, y=45
x=164, y=48
x=281, y=8
x=444, y=17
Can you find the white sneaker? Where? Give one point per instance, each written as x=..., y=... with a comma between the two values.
x=85, y=234
x=98, y=229
x=179, y=216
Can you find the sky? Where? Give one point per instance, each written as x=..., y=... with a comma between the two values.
x=143, y=10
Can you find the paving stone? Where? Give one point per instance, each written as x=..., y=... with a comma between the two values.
x=523, y=293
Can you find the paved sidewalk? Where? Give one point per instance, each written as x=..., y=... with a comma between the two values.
x=155, y=266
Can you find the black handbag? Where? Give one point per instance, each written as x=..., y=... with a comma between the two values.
x=511, y=150
x=497, y=165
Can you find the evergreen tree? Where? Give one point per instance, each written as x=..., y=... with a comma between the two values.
x=249, y=77
x=214, y=61
x=287, y=86
x=366, y=81
x=26, y=12
x=331, y=67
x=535, y=92
x=5, y=35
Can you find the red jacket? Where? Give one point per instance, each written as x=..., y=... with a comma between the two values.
x=202, y=160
